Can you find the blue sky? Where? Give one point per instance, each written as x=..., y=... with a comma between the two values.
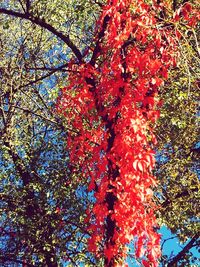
x=171, y=247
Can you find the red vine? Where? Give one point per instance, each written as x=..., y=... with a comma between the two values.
x=112, y=102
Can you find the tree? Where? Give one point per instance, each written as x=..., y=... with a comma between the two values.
x=113, y=93
x=41, y=213
x=40, y=53
x=177, y=134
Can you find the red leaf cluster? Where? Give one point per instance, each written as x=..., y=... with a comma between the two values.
x=112, y=105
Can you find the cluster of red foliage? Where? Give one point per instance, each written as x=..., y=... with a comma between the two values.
x=111, y=103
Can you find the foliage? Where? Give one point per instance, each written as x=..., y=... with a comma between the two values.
x=113, y=93
x=177, y=133
x=43, y=200
x=41, y=212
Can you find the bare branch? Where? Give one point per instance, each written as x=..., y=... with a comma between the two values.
x=165, y=240
x=27, y=6
x=38, y=115
x=42, y=23
x=181, y=254
x=53, y=70
x=21, y=3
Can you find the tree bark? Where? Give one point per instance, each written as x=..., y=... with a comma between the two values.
x=182, y=253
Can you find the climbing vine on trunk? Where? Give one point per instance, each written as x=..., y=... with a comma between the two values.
x=111, y=102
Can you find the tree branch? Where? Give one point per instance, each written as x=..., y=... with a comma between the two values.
x=49, y=69
x=52, y=71
x=42, y=23
x=99, y=39
x=27, y=5
x=4, y=259
x=180, y=255
x=39, y=79
x=21, y=3
x=165, y=240
x=35, y=114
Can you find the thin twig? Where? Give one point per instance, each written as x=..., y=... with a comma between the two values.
x=42, y=23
